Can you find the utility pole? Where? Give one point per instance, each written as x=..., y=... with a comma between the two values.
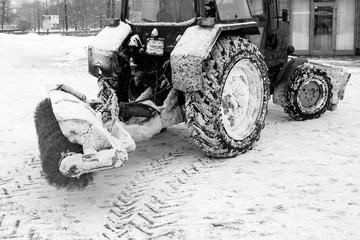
x=38, y=15
x=108, y=9
x=46, y=8
x=66, y=20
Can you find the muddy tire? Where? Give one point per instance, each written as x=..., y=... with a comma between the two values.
x=308, y=93
x=225, y=117
x=53, y=146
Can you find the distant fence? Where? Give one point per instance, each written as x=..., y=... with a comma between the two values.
x=7, y=31
x=83, y=33
x=79, y=33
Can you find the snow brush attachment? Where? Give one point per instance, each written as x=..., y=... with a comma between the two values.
x=53, y=146
x=73, y=140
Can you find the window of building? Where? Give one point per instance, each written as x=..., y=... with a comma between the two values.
x=324, y=1
x=323, y=26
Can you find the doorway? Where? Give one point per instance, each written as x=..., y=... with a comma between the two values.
x=323, y=22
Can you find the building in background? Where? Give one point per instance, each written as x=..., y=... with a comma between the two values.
x=324, y=27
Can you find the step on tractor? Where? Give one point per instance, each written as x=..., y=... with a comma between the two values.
x=212, y=64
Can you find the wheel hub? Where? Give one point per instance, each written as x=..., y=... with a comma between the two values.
x=309, y=94
x=242, y=99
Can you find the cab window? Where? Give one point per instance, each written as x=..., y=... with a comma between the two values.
x=143, y=11
x=233, y=10
x=256, y=7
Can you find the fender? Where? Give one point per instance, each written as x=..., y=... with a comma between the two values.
x=102, y=50
x=279, y=96
x=194, y=47
x=187, y=57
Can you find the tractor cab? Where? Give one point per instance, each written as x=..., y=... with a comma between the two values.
x=163, y=11
x=167, y=20
x=187, y=11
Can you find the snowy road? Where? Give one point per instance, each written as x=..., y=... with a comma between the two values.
x=301, y=180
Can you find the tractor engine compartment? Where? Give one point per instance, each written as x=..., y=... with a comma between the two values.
x=132, y=70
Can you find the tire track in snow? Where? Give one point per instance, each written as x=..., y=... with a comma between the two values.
x=29, y=207
x=18, y=183
x=143, y=209
x=153, y=205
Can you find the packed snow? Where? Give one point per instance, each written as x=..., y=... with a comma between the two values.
x=300, y=181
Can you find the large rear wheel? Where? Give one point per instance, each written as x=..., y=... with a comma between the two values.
x=53, y=147
x=227, y=115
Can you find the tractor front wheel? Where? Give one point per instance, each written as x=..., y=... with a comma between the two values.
x=308, y=93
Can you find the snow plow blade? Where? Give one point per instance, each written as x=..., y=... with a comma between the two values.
x=80, y=125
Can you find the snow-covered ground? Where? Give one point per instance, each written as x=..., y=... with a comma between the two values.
x=301, y=180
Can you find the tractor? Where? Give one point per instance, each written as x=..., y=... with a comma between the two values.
x=213, y=64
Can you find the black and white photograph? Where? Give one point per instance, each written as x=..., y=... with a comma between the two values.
x=180, y=119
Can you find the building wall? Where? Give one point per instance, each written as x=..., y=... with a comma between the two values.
x=347, y=30
x=283, y=4
x=357, y=27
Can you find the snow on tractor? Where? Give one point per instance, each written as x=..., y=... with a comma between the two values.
x=210, y=63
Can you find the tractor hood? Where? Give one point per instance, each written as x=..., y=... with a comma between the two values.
x=102, y=50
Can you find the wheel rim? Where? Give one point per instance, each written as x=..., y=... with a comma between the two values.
x=311, y=95
x=242, y=99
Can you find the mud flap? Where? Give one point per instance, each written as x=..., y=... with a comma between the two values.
x=103, y=49
x=80, y=125
x=188, y=56
x=280, y=91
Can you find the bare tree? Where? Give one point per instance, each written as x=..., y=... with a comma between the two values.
x=87, y=13
x=4, y=12
x=110, y=8
x=26, y=15
x=81, y=14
